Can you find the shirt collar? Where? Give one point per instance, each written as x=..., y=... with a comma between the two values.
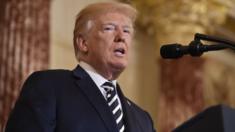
x=97, y=78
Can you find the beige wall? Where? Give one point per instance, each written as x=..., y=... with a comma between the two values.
x=139, y=81
x=63, y=14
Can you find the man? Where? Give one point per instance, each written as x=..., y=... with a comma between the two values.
x=87, y=99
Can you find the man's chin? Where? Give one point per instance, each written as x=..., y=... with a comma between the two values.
x=119, y=66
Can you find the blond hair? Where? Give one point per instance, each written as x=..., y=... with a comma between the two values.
x=89, y=13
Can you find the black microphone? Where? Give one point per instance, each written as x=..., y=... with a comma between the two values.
x=195, y=48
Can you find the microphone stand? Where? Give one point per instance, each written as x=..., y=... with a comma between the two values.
x=220, y=41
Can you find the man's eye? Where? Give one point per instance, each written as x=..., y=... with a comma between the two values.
x=108, y=28
x=126, y=31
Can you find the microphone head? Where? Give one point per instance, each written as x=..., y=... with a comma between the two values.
x=171, y=51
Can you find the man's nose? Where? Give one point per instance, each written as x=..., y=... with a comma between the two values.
x=119, y=37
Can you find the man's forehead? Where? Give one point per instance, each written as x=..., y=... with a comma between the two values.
x=113, y=18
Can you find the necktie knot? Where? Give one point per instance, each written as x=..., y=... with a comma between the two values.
x=108, y=86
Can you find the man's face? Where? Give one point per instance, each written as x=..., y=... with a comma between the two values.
x=109, y=41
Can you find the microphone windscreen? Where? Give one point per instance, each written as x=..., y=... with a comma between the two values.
x=171, y=51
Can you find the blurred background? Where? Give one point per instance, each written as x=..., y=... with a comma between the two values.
x=37, y=35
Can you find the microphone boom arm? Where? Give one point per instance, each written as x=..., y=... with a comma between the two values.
x=220, y=41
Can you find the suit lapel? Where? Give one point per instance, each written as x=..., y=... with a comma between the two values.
x=132, y=125
x=85, y=83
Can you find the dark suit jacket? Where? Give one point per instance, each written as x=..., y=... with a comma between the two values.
x=69, y=101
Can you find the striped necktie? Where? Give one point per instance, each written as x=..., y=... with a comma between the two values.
x=115, y=106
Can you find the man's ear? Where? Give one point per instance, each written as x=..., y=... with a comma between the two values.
x=81, y=44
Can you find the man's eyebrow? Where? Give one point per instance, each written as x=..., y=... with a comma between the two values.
x=127, y=26
x=113, y=24
x=109, y=23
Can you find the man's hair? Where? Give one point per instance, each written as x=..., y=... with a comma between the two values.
x=88, y=14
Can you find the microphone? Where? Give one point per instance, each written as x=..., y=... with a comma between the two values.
x=195, y=48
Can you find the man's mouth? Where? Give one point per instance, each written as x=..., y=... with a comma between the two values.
x=119, y=51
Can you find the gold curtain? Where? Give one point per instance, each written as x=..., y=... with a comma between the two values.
x=24, y=46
